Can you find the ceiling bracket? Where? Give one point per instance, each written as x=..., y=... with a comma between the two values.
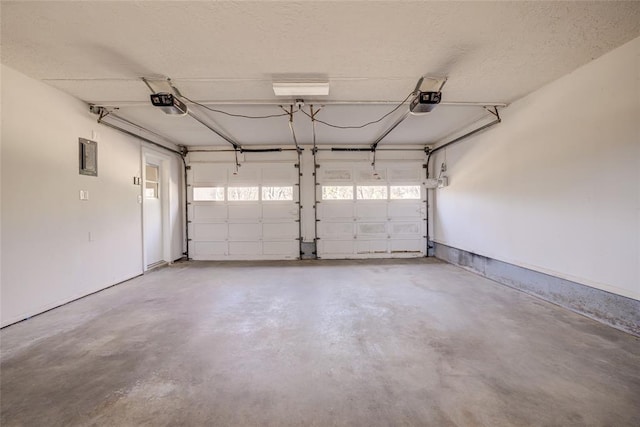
x=290, y=112
x=313, y=123
x=493, y=112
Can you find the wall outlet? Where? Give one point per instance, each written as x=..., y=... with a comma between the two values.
x=84, y=194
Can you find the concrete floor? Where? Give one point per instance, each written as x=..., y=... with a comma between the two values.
x=376, y=343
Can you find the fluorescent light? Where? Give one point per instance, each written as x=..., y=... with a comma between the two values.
x=300, y=88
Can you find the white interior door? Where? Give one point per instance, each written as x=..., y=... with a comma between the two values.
x=251, y=214
x=152, y=208
x=364, y=213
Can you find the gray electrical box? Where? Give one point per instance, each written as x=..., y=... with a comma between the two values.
x=88, y=151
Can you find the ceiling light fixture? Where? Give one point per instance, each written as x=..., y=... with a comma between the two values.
x=301, y=88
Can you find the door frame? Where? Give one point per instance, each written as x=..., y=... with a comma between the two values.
x=149, y=155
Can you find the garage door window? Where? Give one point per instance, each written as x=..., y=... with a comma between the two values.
x=337, y=192
x=277, y=193
x=208, y=194
x=242, y=194
x=405, y=192
x=372, y=192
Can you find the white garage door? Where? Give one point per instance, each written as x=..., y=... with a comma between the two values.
x=252, y=215
x=367, y=214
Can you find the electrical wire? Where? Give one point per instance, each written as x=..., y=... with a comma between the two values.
x=243, y=116
x=365, y=124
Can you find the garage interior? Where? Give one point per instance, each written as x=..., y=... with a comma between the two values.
x=320, y=213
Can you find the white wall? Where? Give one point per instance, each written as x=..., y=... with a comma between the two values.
x=56, y=248
x=556, y=186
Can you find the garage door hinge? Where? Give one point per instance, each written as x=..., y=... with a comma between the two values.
x=189, y=240
x=188, y=203
x=424, y=166
x=297, y=165
x=189, y=222
x=296, y=220
x=188, y=168
x=188, y=185
x=317, y=166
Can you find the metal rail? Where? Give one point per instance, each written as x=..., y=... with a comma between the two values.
x=315, y=101
x=315, y=180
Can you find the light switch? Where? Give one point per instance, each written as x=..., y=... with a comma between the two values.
x=84, y=194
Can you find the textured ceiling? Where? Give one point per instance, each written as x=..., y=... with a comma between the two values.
x=233, y=50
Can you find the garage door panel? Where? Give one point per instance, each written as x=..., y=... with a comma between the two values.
x=205, y=232
x=336, y=210
x=207, y=173
x=328, y=229
x=372, y=229
x=279, y=210
x=336, y=247
x=387, y=221
x=280, y=231
x=407, y=246
x=405, y=174
x=244, y=217
x=367, y=209
x=245, y=231
x=405, y=228
x=370, y=176
x=209, y=212
x=205, y=250
x=245, y=249
x=276, y=175
x=247, y=174
x=371, y=247
x=245, y=211
x=336, y=174
x=406, y=210
x=286, y=249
